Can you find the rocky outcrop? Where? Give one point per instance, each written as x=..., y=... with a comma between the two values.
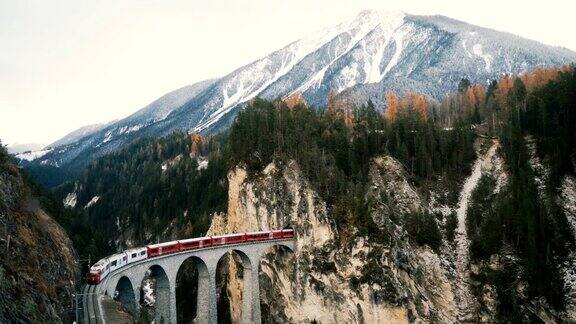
x=567, y=201
x=347, y=275
x=38, y=265
x=373, y=280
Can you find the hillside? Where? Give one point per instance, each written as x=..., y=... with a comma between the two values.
x=360, y=59
x=38, y=264
x=456, y=211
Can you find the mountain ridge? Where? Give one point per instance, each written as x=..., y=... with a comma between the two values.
x=362, y=58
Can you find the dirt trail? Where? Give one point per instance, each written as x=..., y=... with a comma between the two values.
x=466, y=302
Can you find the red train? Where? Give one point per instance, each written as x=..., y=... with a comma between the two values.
x=102, y=268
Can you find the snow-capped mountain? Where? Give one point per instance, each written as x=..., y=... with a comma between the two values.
x=368, y=55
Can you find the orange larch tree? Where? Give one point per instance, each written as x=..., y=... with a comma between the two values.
x=392, y=106
x=421, y=105
x=196, y=143
x=504, y=86
x=295, y=99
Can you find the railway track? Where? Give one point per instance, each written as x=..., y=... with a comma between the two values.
x=90, y=305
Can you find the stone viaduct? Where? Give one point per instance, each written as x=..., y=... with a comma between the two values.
x=127, y=281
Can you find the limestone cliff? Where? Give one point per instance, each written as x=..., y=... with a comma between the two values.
x=383, y=275
x=373, y=280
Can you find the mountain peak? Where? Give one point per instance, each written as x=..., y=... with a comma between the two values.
x=373, y=18
x=373, y=52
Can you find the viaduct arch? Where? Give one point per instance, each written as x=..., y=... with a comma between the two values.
x=126, y=283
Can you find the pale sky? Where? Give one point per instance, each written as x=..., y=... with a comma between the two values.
x=66, y=64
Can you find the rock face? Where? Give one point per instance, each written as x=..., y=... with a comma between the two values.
x=38, y=265
x=341, y=275
x=381, y=280
x=568, y=203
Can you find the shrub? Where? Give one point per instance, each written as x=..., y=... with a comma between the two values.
x=423, y=230
x=451, y=225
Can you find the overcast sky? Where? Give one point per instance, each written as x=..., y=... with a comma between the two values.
x=66, y=64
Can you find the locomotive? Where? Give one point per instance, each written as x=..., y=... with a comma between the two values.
x=104, y=267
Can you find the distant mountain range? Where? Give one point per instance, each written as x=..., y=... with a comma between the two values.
x=365, y=57
x=24, y=147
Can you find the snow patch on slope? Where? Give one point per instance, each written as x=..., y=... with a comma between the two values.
x=70, y=200
x=466, y=49
x=541, y=173
x=568, y=200
x=92, y=201
x=477, y=49
x=29, y=156
x=202, y=164
x=129, y=129
x=398, y=38
x=391, y=23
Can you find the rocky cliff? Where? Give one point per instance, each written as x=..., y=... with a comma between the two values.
x=385, y=275
x=38, y=265
x=334, y=276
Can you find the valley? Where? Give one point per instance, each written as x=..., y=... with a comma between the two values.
x=393, y=168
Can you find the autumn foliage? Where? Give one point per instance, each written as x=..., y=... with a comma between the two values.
x=294, y=100
x=393, y=106
x=410, y=102
x=195, y=146
x=474, y=96
x=542, y=76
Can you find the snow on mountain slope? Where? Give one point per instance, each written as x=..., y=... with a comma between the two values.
x=363, y=58
x=251, y=80
x=77, y=134
x=89, y=142
x=17, y=148
x=32, y=155
x=162, y=107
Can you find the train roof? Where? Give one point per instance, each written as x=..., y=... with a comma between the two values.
x=228, y=235
x=100, y=264
x=259, y=232
x=117, y=256
x=163, y=244
x=138, y=249
x=192, y=239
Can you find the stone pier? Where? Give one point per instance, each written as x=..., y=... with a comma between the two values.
x=125, y=284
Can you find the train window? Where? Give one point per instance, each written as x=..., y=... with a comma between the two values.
x=134, y=255
x=114, y=263
x=124, y=258
x=142, y=253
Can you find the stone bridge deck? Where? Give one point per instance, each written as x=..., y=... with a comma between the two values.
x=127, y=282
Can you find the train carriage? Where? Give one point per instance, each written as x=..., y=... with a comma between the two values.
x=163, y=248
x=117, y=261
x=103, y=267
x=136, y=254
x=259, y=236
x=191, y=244
x=98, y=271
